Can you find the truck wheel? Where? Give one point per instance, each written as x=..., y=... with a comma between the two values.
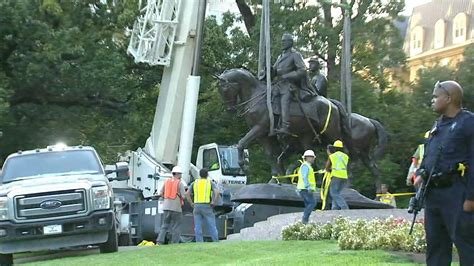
x=6, y=259
x=186, y=239
x=112, y=243
x=124, y=240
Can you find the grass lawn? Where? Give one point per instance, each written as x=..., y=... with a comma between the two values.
x=238, y=253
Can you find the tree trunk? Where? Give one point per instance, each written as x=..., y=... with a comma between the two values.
x=247, y=15
x=332, y=43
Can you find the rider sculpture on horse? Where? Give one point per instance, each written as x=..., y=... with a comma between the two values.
x=290, y=73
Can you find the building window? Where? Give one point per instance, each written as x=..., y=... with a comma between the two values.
x=416, y=41
x=440, y=28
x=444, y=62
x=459, y=28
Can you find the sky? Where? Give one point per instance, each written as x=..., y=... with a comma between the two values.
x=410, y=4
x=230, y=4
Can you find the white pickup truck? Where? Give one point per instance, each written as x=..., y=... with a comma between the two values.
x=54, y=198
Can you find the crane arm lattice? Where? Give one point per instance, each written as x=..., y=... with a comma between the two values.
x=154, y=31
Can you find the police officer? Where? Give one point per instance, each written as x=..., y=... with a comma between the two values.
x=449, y=210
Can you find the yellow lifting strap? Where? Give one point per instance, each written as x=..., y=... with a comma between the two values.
x=146, y=243
x=462, y=169
x=328, y=117
x=325, y=188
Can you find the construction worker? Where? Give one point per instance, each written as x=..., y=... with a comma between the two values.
x=416, y=160
x=307, y=184
x=337, y=165
x=173, y=194
x=205, y=194
x=449, y=198
x=214, y=166
x=386, y=197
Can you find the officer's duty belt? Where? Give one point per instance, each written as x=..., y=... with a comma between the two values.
x=442, y=180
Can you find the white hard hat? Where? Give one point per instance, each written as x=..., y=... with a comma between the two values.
x=177, y=169
x=309, y=153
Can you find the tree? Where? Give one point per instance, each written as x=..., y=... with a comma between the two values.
x=316, y=34
x=376, y=42
x=225, y=47
x=66, y=76
x=465, y=76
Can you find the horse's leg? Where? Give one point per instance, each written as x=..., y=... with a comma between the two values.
x=283, y=154
x=271, y=151
x=374, y=170
x=255, y=132
x=307, y=142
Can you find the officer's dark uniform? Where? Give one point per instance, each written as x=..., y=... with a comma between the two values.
x=445, y=220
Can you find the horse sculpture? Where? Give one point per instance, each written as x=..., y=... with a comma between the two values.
x=244, y=94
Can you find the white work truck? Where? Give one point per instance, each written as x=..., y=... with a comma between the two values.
x=54, y=198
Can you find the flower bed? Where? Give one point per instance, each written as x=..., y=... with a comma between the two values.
x=390, y=234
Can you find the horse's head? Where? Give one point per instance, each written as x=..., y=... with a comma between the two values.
x=229, y=88
x=236, y=85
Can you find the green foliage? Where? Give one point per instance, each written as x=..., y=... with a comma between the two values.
x=65, y=76
x=389, y=234
x=465, y=77
x=406, y=116
x=227, y=47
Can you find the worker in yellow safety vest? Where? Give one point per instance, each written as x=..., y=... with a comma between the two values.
x=205, y=195
x=337, y=165
x=307, y=184
x=416, y=160
x=386, y=197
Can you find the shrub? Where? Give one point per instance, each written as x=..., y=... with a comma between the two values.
x=391, y=234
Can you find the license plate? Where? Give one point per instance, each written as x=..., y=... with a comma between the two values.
x=52, y=229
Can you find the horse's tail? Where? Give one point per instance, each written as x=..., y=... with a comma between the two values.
x=345, y=126
x=382, y=139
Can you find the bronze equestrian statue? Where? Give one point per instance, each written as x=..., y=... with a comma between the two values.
x=318, y=80
x=245, y=95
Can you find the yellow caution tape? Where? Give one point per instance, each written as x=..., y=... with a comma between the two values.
x=396, y=194
x=284, y=176
x=292, y=176
x=324, y=187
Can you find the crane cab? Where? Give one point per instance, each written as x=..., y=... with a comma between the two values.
x=223, y=165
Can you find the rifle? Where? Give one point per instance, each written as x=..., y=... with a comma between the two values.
x=416, y=203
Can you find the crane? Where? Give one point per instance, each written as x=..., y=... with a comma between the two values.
x=169, y=33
